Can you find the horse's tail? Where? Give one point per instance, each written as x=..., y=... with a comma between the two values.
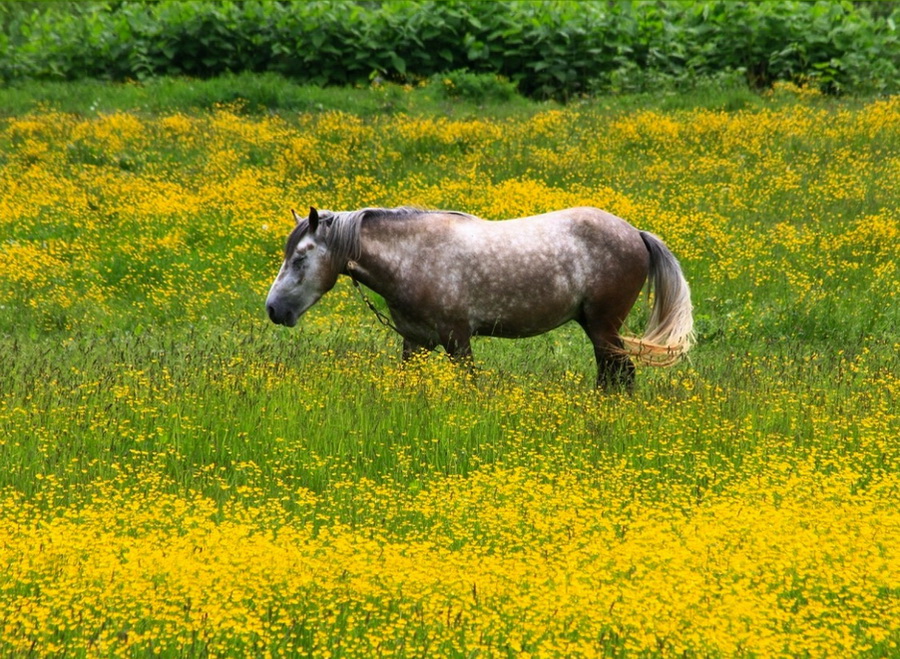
x=670, y=330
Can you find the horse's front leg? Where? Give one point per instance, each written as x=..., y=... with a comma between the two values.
x=456, y=341
x=412, y=349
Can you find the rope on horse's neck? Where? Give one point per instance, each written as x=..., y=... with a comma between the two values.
x=384, y=320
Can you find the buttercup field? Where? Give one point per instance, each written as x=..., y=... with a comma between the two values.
x=180, y=477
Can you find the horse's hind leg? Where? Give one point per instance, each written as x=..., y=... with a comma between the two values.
x=615, y=369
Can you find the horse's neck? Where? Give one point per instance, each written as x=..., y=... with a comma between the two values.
x=385, y=251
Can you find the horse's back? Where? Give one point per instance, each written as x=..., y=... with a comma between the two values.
x=525, y=276
x=579, y=233
x=587, y=223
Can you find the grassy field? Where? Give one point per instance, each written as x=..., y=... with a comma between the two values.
x=180, y=477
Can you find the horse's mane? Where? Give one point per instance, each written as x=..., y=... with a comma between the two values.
x=343, y=228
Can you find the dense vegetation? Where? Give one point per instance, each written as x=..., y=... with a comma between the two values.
x=181, y=478
x=549, y=49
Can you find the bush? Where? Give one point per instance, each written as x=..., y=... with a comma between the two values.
x=475, y=87
x=546, y=48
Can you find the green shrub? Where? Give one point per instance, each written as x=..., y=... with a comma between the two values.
x=476, y=87
x=546, y=48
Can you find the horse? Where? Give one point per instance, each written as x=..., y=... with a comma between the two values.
x=447, y=276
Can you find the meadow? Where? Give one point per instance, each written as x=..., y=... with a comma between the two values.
x=179, y=477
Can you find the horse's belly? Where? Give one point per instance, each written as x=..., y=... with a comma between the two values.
x=523, y=318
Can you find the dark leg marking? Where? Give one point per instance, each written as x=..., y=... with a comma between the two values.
x=412, y=349
x=614, y=370
x=456, y=341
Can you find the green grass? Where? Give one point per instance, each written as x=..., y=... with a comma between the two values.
x=272, y=93
x=136, y=361
x=253, y=93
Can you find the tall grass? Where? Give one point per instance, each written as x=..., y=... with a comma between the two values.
x=181, y=477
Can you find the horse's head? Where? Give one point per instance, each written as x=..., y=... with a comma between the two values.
x=308, y=271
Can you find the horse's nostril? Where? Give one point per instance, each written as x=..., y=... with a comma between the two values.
x=271, y=309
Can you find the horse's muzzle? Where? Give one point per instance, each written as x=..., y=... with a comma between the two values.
x=281, y=316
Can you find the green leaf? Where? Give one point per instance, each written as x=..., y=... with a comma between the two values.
x=398, y=63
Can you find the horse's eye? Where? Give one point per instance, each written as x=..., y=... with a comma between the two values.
x=299, y=261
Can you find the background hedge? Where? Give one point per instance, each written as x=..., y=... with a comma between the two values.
x=548, y=48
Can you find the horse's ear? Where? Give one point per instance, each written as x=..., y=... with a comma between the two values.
x=313, y=219
x=297, y=218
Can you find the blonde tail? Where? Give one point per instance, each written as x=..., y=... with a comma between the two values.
x=670, y=331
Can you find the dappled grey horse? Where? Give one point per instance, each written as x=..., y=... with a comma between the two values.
x=447, y=276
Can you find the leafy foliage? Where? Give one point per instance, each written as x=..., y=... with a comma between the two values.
x=474, y=86
x=548, y=48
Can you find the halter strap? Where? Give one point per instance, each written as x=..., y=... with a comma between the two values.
x=384, y=320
